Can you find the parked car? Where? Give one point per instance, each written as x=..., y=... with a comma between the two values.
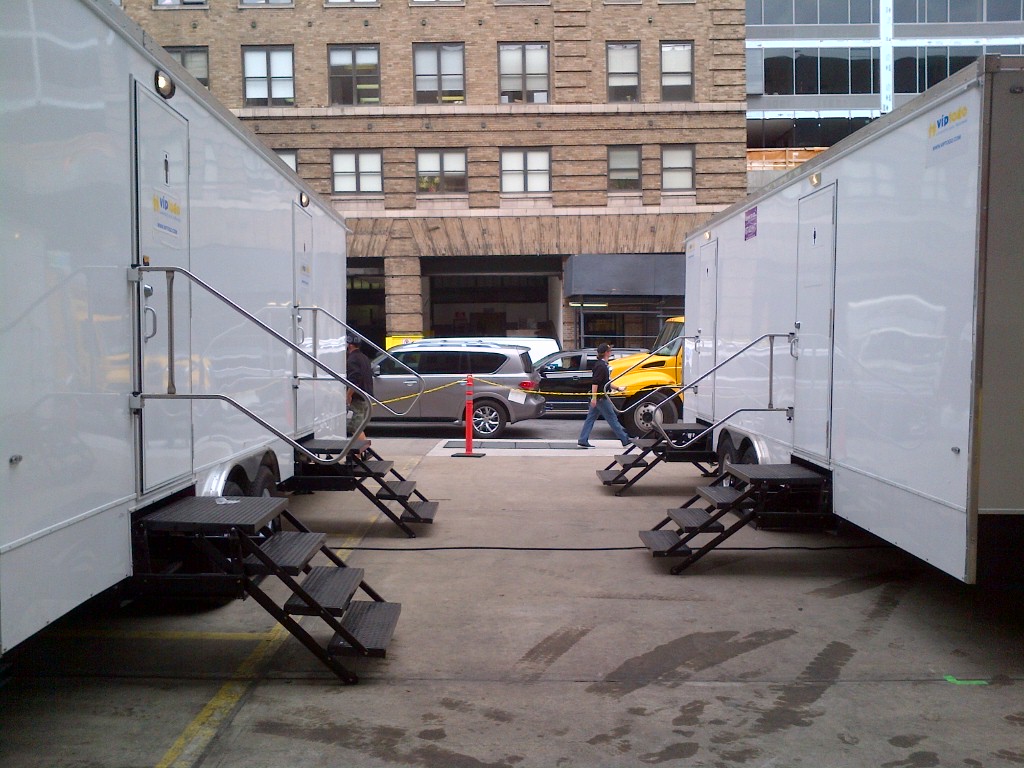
x=565, y=377
x=504, y=384
x=539, y=346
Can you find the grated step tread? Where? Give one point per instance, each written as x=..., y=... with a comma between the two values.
x=372, y=624
x=330, y=447
x=371, y=468
x=612, y=476
x=397, y=490
x=332, y=587
x=691, y=519
x=290, y=550
x=425, y=512
x=631, y=460
x=216, y=514
x=664, y=543
x=721, y=495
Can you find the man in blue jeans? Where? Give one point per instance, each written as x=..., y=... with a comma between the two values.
x=600, y=405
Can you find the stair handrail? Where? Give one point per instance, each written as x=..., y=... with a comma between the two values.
x=135, y=276
x=680, y=389
x=350, y=330
x=703, y=433
x=138, y=398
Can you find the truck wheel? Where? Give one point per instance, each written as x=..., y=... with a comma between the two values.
x=749, y=455
x=639, y=419
x=726, y=453
x=231, y=488
x=489, y=419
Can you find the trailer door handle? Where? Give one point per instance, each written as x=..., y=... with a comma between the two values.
x=793, y=341
x=150, y=312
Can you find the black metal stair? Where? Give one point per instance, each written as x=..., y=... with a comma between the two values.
x=671, y=442
x=365, y=471
x=234, y=537
x=756, y=491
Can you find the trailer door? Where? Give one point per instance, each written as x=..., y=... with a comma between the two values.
x=162, y=237
x=302, y=272
x=813, y=324
x=706, y=348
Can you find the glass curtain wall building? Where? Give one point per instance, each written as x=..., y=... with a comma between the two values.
x=817, y=70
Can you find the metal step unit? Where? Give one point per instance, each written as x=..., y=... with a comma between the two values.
x=670, y=442
x=363, y=470
x=234, y=537
x=755, y=491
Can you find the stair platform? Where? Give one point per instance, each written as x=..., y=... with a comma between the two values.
x=693, y=520
x=371, y=468
x=664, y=543
x=216, y=515
x=331, y=587
x=631, y=460
x=372, y=624
x=422, y=512
x=721, y=495
x=290, y=551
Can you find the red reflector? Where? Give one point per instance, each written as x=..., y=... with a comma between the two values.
x=526, y=385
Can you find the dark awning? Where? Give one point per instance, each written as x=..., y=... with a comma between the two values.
x=630, y=274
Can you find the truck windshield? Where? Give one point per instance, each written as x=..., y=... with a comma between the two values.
x=669, y=339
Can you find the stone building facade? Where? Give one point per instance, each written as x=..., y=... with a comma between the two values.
x=475, y=146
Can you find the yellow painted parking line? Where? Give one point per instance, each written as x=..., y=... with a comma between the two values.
x=198, y=734
x=164, y=635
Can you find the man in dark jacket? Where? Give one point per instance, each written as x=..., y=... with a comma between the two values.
x=600, y=405
x=359, y=374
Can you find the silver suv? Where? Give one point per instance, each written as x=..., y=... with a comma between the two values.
x=503, y=383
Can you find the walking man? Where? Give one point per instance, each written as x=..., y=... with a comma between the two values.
x=357, y=371
x=600, y=405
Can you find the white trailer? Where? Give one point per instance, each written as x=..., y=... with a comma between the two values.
x=121, y=179
x=889, y=272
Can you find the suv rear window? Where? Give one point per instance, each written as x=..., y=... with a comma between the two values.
x=445, y=362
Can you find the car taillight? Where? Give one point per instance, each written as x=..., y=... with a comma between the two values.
x=526, y=385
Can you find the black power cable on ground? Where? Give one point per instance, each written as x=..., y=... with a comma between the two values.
x=469, y=547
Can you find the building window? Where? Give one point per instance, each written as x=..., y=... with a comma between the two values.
x=356, y=172
x=354, y=74
x=290, y=157
x=677, y=71
x=352, y=2
x=441, y=171
x=677, y=168
x=178, y=3
x=525, y=170
x=196, y=59
x=785, y=12
x=820, y=70
x=266, y=2
x=623, y=169
x=440, y=73
x=623, y=71
x=269, y=78
x=524, y=72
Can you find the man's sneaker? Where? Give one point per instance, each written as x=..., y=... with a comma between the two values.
x=584, y=445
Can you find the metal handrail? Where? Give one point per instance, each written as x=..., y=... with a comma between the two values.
x=350, y=330
x=255, y=417
x=683, y=446
x=135, y=275
x=683, y=387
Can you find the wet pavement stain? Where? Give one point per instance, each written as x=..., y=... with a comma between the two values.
x=671, y=752
x=545, y=653
x=689, y=714
x=1017, y=758
x=859, y=584
x=433, y=734
x=692, y=653
x=382, y=743
x=915, y=760
x=791, y=707
x=906, y=741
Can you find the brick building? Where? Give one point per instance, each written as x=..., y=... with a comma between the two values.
x=506, y=166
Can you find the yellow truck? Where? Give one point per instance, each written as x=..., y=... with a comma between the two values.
x=651, y=380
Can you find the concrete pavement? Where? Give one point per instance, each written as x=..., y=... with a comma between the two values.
x=536, y=631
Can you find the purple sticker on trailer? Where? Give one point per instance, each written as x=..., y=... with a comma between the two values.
x=750, y=223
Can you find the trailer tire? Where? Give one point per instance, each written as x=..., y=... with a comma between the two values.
x=231, y=488
x=749, y=455
x=489, y=419
x=264, y=483
x=726, y=453
x=638, y=420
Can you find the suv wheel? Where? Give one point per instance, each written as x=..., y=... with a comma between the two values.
x=489, y=419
